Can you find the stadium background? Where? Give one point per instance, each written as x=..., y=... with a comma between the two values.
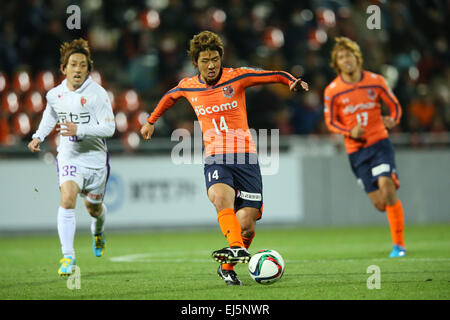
x=139, y=52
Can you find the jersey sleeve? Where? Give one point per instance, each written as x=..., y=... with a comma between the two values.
x=105, y=126
x=390, y=100
x=330, y=111
x=252, y=77
x=166, y=102
x=48, y=122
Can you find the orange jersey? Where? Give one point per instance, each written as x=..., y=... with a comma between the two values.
x=221, y=109
x=347, y=104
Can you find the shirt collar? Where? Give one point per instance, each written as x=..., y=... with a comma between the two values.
x=218, y=78
x=80, y=89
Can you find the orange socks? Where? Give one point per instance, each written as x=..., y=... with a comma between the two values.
x=395, y=217
x=230, y=227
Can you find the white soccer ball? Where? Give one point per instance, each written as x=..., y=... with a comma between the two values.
x=266, y=266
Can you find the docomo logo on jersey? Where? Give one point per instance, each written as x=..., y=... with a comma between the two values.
x=352, y=109
x=200, y=110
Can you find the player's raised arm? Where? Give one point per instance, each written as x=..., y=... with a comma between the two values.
x=299, y=84
x=252, y=77
x=147, y=130
x=166, y=102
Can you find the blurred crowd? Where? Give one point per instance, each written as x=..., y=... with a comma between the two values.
x=139, y=51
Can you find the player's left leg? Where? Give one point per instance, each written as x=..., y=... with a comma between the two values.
x=377, y=200
x=247, y=218
x=395, y=214
x=98, y=213
x=94, y=191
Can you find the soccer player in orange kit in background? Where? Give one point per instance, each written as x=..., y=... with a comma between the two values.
x=352, y=108
x=232, y=173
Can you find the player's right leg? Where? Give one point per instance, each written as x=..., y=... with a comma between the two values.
x=247, y=217
x=70, y=184
x=395, y=215
x=248, y=200
x=395, y=218
x=67, y=226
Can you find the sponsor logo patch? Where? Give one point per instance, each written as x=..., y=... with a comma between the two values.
x=249, y=196
x=361, y=106
x=92, y=195
x=381, y=168
x=201, y=110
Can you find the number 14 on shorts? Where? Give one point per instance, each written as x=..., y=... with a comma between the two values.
x=215, y=175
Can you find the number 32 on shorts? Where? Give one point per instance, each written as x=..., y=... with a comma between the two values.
x=215, y=175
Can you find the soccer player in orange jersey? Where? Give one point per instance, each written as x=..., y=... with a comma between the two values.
x=232, y=173
x=352, y=108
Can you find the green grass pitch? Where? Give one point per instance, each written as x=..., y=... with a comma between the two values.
x=321, y=263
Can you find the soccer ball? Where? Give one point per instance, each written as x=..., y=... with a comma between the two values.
x=266, y=266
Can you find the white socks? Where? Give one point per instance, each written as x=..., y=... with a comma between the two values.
x=66, y=230
x=98, y=223
x=67, y=226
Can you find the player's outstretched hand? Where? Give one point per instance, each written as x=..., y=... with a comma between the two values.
x=67, y=129
x=389, y=123
x=299, y=84
x=147, y=131
x=35, y=145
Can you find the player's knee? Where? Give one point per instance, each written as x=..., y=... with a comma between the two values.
x=389, y=196
x=69, y=193
x=94, y=209
x=68, y=203
x=380, y=205
x=221, y=202
x=386, y=185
